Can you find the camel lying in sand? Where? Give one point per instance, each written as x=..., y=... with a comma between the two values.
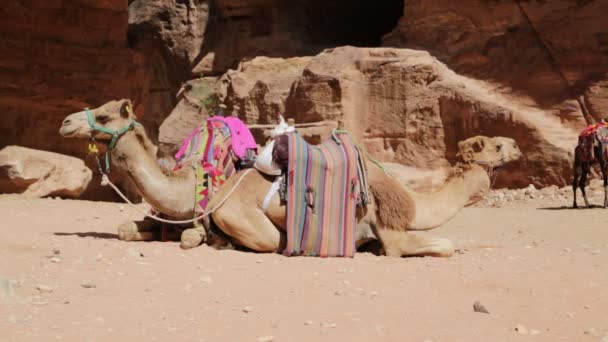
x=394, y=212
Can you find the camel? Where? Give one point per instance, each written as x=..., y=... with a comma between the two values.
x=589, y=150
x=395, y=210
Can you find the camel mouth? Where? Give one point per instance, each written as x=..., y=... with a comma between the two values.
x=72, y=132
x=68, y=132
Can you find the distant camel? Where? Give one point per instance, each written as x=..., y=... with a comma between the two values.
x=592, y=147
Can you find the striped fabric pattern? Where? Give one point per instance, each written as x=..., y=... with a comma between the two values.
x=322, y=193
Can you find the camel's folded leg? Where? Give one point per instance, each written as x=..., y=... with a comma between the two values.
x=138, y=230
x=399, y=243
x=250, y=228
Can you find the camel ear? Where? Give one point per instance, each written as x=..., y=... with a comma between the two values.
x=126, y=109
x=281, y=120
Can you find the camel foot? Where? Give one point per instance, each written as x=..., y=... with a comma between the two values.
x=130, y=231
x=192, y=237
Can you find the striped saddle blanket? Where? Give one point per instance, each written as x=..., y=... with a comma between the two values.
x=325, y=183
x=210, y=149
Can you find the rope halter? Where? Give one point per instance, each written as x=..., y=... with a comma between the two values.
x=116, y=134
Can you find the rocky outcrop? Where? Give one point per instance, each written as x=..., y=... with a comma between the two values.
x=554, y=52
x=170, y=35
x=541, y=69
x=241, y=30
x=404, y=106
x=40, y=173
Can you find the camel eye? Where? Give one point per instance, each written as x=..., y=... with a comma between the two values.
x=498, y=148
x=103, y=119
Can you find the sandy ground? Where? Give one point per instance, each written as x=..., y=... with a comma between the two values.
x=540, y=270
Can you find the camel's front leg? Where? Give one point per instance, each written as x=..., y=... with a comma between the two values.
x=583, y=183
x=399, y=243
x=603, y=167
x=577, y=170
x=144, y=230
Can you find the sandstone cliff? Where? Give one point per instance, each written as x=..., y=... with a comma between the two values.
x=532, y=70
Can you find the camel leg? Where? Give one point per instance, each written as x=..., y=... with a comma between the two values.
x=399, y=243
x=583, y=183
x=577, y=170
x=249, y=226
x=192, y=237
x=143, y=230
x=603, y=165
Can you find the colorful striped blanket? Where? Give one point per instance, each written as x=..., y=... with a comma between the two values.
x=209, y=149
x=592, y=136
x=323, y=189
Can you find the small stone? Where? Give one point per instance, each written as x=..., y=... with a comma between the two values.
x=206, y=280
x=259, y=261
x=134, y=253
x=374, y=293
x=521, y=329
x=569, y=314
x=44, y=288
x=87, y=284
x=121, y=207
x=591, y=331
x=339, y=293
x=328, y=325
x=55, y=259
x=346, y=282
x=567, y=250
x=265, y=338
x=56, y=251
x=308, y=322
x=248, y=309
x=478, y=307
x=98, y=257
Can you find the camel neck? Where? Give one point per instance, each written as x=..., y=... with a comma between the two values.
x=467, y=185
x=170, y=194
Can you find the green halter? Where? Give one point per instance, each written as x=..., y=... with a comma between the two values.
x=116, y=134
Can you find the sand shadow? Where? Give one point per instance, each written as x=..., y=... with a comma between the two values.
x=96, y=235
x=568, y=207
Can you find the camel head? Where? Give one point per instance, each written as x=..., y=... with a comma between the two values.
x=113, y=116
x=489, y=152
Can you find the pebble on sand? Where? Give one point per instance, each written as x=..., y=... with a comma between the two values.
x=87, y=284
x=478, y=307
x=44, y=288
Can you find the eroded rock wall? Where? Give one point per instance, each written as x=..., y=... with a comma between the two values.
x=552, y=52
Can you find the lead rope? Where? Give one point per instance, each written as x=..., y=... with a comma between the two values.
x=106, y=181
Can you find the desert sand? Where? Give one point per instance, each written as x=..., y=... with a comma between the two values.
x=537, y=267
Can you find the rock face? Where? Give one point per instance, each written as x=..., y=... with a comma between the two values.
x=551, y=51
x=243, y=29
x=40, y=173
x=404, y=105
x=59, y=57
x=535, y=71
